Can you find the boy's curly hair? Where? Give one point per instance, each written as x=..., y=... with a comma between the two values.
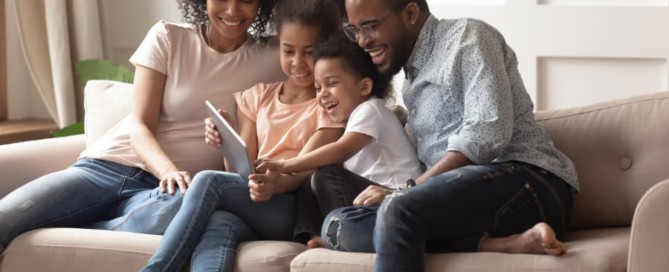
x=355, y=61
x=195, y=12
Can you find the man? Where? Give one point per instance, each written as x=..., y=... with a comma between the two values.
x=494, y=180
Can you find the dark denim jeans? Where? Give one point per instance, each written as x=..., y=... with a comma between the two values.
x=91, y=193
x=454, y=212
x=331, y=187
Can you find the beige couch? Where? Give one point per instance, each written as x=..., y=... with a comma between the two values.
x=620, y=148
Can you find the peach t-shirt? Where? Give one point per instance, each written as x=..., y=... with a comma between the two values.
x=195, y=73
x=282, y=129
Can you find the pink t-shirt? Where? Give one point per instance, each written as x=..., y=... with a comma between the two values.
x=195, y=73
x=282, y=129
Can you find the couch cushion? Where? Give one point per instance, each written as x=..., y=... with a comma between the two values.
x=588, y=250
x=70, y=249
x=620, y=149
x=106, y=102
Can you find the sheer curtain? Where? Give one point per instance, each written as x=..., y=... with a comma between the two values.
x=55, y=34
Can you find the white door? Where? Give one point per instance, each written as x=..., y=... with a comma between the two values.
x=577, y=52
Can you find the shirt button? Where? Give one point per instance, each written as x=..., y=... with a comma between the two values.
x=625, y=164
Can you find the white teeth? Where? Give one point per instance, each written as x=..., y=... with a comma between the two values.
x=230, y=23
x=375, y=53
x=330, y=105
x=300, y=75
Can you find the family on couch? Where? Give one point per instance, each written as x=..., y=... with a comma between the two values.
x=493, y=180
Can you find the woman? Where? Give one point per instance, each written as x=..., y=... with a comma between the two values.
x=118, y=181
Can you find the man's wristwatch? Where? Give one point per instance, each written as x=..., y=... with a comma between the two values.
x=410, y=183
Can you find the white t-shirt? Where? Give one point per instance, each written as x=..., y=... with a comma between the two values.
x=390, y=159
x=195, y=73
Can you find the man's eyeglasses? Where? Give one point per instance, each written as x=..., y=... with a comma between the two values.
x=366, y=31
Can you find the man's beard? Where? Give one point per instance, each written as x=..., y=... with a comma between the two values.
x=401, y=53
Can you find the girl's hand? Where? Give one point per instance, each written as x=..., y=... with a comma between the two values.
x=272, y=165
x=373, y=194
x=263, y=186
x=211, y=135
x=170, y=178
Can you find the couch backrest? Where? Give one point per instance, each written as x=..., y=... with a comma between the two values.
x=620, y=149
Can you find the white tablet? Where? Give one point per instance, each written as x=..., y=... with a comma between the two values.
x=233, y=146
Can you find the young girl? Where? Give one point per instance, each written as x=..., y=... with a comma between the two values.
x=277, y=121
x=114, y=183
x=374, y=148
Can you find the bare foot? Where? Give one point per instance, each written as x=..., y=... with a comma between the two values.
x=540, y=239
x=315, y=242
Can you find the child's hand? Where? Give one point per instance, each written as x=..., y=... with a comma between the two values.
x=211, y=136
x=263, y=186
x=271, y=165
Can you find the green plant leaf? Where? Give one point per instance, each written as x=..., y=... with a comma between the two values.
x=102, y=69
x=74, y=129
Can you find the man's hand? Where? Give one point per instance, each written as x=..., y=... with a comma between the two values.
x=373, y=194
x=170, y=178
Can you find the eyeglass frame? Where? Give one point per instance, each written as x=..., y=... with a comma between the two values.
x=366, y=30
x=353, y=33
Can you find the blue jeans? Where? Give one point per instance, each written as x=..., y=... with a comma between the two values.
x=91, y=193
x=454, y=211
x=217, y=214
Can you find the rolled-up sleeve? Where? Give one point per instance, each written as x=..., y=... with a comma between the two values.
x=488, y=125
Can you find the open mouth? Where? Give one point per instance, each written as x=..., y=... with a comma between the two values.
x=377, y=54
x=330, y=106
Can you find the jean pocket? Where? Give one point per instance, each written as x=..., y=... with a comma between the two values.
x=521, y=212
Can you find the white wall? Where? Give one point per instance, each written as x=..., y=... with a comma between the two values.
x=576, y=52
x=126, y=22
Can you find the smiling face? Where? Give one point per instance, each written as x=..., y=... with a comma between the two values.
x=391, y=43
x=296, y=43
x=339, y=91
x=231, y=18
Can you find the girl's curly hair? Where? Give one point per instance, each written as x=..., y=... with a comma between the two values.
x=195, y=12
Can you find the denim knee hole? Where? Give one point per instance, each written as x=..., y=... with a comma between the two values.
x=332, y=238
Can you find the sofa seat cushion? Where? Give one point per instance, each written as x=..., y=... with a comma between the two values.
x=74, y=250
x=588, y=250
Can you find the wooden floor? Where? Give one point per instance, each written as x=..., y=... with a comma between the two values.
x=24, y=130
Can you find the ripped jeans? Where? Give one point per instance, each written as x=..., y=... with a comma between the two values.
x=452, y=212
x=92, y=194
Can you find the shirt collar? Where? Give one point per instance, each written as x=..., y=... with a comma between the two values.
x=422, y=48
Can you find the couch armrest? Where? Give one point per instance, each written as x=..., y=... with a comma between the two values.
x=650, y=231
x=25, y=161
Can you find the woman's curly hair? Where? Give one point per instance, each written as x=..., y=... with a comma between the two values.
x=195, y=12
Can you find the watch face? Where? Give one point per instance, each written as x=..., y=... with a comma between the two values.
x=411, y=183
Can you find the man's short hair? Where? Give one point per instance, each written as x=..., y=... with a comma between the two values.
x=399, y=4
